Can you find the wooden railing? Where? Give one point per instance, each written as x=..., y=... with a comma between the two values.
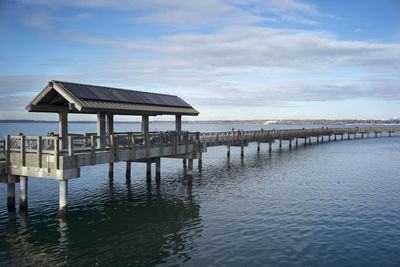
x=89, y=143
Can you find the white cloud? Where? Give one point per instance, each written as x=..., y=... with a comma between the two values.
x=238, y=64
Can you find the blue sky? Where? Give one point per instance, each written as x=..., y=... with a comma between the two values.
x=230, y=59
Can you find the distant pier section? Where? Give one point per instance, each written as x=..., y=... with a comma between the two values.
x=60, y=156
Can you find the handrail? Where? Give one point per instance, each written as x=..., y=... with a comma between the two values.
x=55, y=145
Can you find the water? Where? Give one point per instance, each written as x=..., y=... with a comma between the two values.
x=335, y=203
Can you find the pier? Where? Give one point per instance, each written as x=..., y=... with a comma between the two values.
x=60, y=155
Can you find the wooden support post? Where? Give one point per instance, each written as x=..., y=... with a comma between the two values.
x=258, y=146
x=348, y=136
x=158, y=169
x=110, y=124
x=190, y=169
x=63, y=205
x=39, y=151
x=63, y=128
x=148, y=171
x=178, y=123
x=309, y=140
x=342, y=136
x=376, y=135
x=270, y=147
x=329, y=138
x=145, y=124
x=335, y=138
x=242, y=151
x=228, y=151
x=297, y=141
x=11, y=193
x=362, y=135
x=23, y=193
x=290, y=143
x=128, y=171
x=101, y=129
x=280, y=143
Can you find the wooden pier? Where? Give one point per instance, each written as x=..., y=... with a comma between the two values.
x=60, y=156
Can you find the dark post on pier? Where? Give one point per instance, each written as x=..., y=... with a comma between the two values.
x=60, y=156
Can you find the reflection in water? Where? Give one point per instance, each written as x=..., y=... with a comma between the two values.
x=142, y=226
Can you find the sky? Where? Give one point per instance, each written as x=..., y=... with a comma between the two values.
x=230, y=59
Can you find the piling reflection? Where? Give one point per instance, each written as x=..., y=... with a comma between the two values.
x=143, y=225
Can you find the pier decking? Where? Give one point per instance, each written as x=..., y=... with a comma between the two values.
x=60, y=156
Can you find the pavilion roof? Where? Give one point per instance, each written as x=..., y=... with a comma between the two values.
x=91, y=99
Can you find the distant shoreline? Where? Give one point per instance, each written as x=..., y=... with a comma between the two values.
x=258, y=122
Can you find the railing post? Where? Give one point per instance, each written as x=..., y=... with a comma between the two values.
x=116, y=148
x=187, y=142
x=147, y=142
x=161, y=144
x=173, y=142
x=56, y=152
x=70, y=146
x=92, y=150
x=22, y=150
x=39, y=151
x=7, y=145
x=132, y=147
x=111, y=148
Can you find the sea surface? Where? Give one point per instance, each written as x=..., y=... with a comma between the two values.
x=330, y=204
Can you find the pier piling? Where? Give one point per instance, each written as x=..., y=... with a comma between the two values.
x=128, y=170
x=190, y=169
x=158, y=169
x=111, y=171
x=11, y=196
x=23, y=193
x=184, y=164
x=200, y=161
x=148, y=171
x=63, y=205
